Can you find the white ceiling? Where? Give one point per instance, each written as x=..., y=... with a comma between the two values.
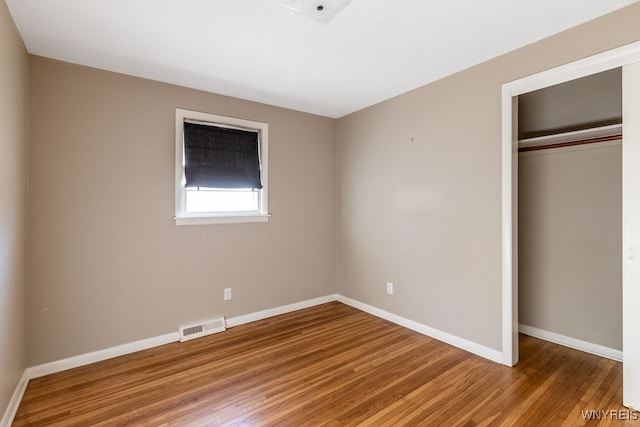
x=253, y=49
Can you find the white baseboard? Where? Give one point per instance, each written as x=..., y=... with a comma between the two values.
x=265, y=314
x=100, y=355
x=576, y=344
x=14, y=403
x=453, y=340
x=120, y=350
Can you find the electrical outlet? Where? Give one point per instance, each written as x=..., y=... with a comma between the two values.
x=227, y=294
x=390, y=288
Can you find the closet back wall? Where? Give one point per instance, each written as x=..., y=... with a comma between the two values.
x=108, y=265
x=570, y=242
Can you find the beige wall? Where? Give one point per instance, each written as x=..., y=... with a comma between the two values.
x=14, y=76
x=107, y=264
x=426, y=214
x=570, y=219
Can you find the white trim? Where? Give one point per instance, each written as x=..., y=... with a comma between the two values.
x=120, y=350
x=614, y=58
x=574, y=343
x=14, y=403
x=265, y=314
x=472, y=347
x=594, y=64
x=100, y=355
x=630, y=236
x=509, y=151
x=202, y=220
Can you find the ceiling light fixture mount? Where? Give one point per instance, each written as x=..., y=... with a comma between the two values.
x=323, y=12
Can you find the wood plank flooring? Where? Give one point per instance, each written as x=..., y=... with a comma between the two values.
x=330, y=365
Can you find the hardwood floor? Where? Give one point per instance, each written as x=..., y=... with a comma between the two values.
x=329, y=365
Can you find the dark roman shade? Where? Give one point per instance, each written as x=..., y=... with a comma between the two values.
x=220, y=157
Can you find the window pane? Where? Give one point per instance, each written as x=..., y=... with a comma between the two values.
x=221, y=200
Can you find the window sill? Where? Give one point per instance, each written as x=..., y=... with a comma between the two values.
x=234, y=219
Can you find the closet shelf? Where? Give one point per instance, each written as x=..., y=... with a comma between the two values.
x=567, y=139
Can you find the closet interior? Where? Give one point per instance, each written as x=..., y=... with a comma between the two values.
x=570, y=211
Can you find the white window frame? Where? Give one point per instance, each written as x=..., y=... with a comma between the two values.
x=182, y=217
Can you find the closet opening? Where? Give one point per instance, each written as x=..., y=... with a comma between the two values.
x=570, y=214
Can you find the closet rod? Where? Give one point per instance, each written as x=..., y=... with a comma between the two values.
x=571, y=143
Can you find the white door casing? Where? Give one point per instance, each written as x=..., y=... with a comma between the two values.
x=631, y=235
x=628, y=57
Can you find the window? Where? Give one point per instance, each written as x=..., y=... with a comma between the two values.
x=221, y=169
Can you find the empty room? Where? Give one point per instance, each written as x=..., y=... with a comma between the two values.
x=307, y=213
